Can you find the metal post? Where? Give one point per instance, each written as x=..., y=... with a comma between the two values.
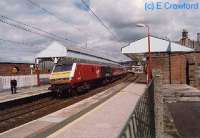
x=38, y=75
x=169, y=53
x=37, y=72
x=149, y=72
x=149, y=61
x=170, y=73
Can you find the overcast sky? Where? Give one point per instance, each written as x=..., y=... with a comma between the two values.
x=120, y=15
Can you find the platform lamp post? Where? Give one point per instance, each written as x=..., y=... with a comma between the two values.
x=37, y=71
x=149, y=60
x=169, y=52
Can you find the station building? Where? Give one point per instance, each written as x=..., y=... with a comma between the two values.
x=177, y=64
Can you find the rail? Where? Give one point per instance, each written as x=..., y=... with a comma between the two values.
x=141, y=123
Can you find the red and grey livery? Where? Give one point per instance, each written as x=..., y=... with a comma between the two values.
x=82, y=75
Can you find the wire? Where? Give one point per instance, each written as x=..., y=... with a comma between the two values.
x=100, y=20
x=15, y=42
x=61, y=19
x=51, y=13
x=30, y=29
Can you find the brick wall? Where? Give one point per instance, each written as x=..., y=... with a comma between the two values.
x=24, y=69
x=6, y=69
x=178, y=69
x=193, y=60
x=183, y=67
x=173, y=66
x=160, y=62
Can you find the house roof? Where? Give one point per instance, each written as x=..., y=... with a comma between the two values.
x=156, y=45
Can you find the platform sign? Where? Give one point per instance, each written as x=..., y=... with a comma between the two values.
x=14, y=70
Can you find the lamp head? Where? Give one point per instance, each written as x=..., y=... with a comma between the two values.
x=140, y=25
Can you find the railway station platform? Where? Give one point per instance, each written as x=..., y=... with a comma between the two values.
x=6, y=96
x=108, y=119
x=103, y=115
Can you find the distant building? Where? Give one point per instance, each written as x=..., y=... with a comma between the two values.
x=24, y=68
x=186, y=41
x=7, y=67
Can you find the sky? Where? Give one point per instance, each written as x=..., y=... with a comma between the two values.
x=77, y=24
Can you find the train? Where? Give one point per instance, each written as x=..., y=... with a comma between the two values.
x=66, y=77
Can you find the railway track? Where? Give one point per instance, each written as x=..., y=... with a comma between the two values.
x=16, y=116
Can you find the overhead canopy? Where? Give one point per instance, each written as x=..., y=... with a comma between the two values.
x=57, y=50
x=140, y=47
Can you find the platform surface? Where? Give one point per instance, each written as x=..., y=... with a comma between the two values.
x=48, y=124
x=6, y=96
x=108, y=119
x=187, y=119
x=184, y=107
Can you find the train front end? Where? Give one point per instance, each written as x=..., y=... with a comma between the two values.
x=61, y=77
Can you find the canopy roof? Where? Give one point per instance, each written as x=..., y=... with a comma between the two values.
x=53, y=50
x=156, y=45
x=58, y=50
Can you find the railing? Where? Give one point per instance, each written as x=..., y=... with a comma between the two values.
x=141, y=123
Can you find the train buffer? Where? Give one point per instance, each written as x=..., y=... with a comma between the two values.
x=6, y=96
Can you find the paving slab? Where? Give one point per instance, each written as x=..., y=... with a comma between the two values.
x=180, y=111
x=108, y=119
x=6, y=96
x=187, y=120
x=47, y=125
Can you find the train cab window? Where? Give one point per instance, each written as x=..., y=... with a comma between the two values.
x=64, y=67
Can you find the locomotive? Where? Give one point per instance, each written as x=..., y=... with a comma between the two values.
x=68, y=76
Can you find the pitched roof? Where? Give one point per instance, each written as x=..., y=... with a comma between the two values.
x=55, y=49
x=58, y=50
x=156, y=45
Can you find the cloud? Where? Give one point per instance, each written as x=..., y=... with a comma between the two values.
x=78, y=25
x=81, y=6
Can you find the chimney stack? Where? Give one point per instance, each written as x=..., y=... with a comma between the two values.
x=184, y=39
x=198, y=37
x=184, y=34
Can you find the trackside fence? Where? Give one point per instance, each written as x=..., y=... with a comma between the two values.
x=22, y=80
x=141, y=123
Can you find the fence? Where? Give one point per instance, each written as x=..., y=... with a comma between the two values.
x=22, y=80
x=141, y=123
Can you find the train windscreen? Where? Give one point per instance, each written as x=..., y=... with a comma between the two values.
x=60, y=68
